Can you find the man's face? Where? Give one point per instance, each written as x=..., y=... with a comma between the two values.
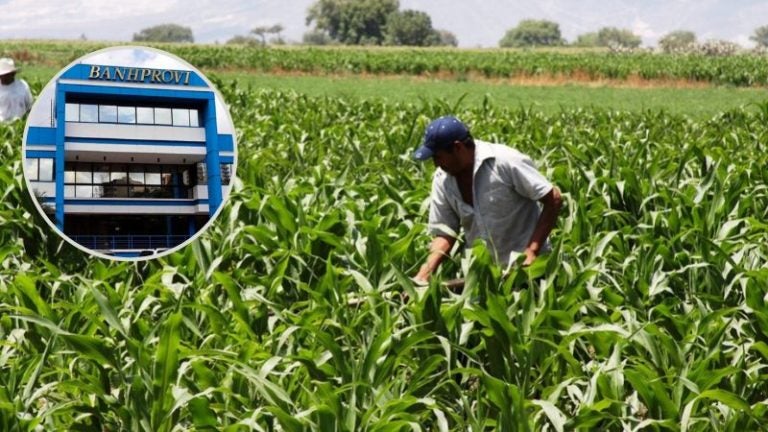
x=7, y=78
x=454, y=160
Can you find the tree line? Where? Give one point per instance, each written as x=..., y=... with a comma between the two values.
x=382, y=22
x=346, y=22
x=533, y=33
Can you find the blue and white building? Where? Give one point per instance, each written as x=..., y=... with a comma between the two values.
x=129, y=152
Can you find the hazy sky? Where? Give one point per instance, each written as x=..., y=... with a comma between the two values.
x=474, y=22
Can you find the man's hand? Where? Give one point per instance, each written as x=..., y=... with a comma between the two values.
x=438, y=250
x=551, y=204
x=530, y=256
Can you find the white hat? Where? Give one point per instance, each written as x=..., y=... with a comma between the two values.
x=7, y=66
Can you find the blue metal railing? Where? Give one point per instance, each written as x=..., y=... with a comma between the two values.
x=129, y=242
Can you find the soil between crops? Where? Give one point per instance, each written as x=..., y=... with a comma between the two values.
x=542, y=80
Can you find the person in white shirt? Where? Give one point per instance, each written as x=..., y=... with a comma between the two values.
x=492, y=191
x=15, y=97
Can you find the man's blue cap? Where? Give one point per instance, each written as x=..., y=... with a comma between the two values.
x=440, y=134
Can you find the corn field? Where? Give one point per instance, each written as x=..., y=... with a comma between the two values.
x=286, y=315
x=715, y=63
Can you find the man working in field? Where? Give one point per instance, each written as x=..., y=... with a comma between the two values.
x=493, y=191
x=15, y=97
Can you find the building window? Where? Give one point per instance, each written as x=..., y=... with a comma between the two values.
x=153, y=174
x=83, y=174
x=163, y=116
x=30, y=166
x=202, y=173
x=83, y=191
x=69, y=173
x=89, y=113
x=39, y=169
x=72, y=113
x=226, y=174
x=107, y=114
x=194, y=118
x=100, y=180
x=46, y=169
x=136, y=175
x=119, y=174
x=126, y=115
x=101, y=174
x=180, y=117
x=145, y=115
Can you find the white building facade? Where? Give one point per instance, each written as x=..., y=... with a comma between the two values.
x=130, y=160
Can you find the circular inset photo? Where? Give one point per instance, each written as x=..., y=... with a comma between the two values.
x=129, y=153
